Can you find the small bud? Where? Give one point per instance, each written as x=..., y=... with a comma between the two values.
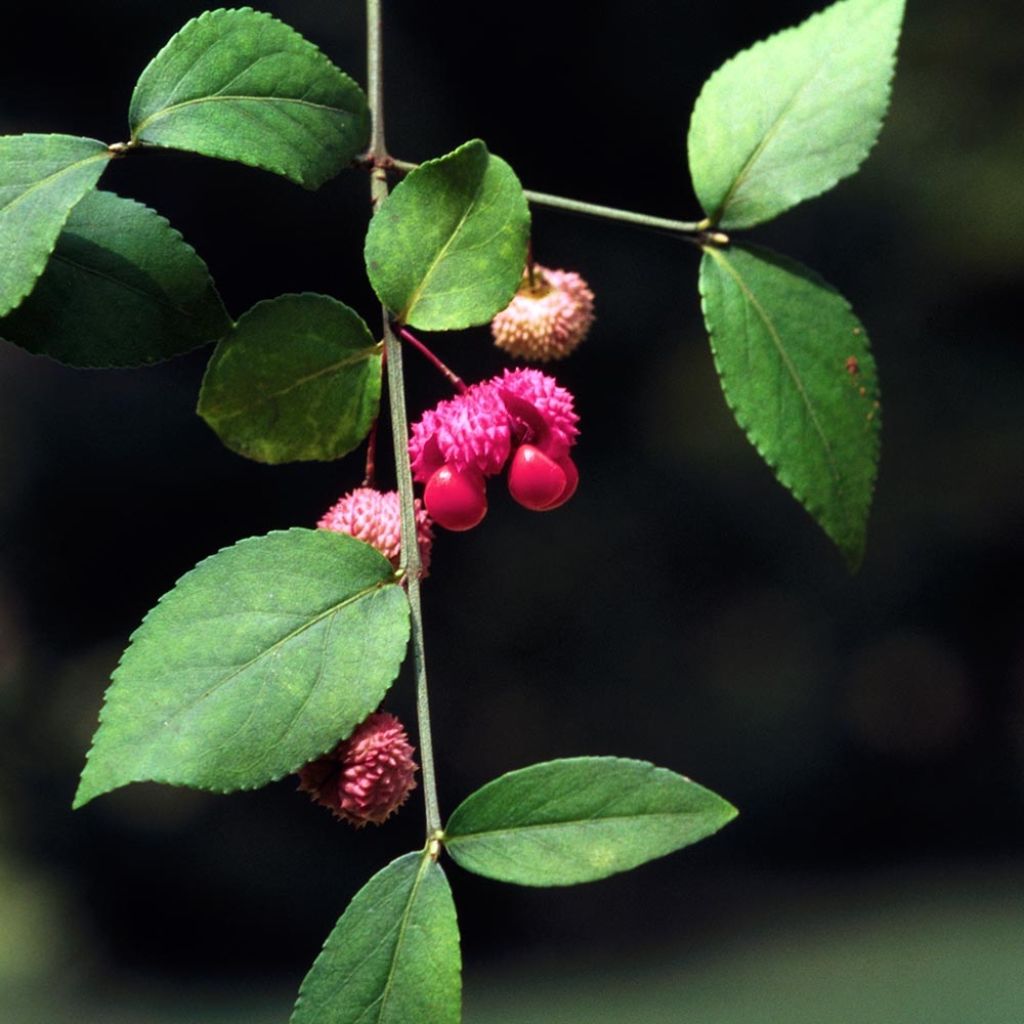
x=456, y=500
x=375, y=517
x=367, y=777
x=549, y=316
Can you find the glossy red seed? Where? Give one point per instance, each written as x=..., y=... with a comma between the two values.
x=456, y=501
x=535, y=480
x=572, y=480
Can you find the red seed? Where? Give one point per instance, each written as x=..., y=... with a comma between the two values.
x=535, y=480
x=572, y=480
x=456, y=500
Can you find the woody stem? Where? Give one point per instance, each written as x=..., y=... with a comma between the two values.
x=410, y=564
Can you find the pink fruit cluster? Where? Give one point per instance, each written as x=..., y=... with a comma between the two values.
x=522, y=419
x=375, y=517
x=367, y=777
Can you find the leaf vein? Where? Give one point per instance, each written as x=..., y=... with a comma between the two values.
x=41, y=182
x=784, y=357
x=191, y=705
x=364, y=355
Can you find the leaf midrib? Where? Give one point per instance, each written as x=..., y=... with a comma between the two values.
x=766, y=139
x=454, y=840
x=174, y=108
x=418, y=291
x=193, y=704
x=403, y=927
x=42, y=182
x=721, y=260
x=157, y=299
x=363, y=355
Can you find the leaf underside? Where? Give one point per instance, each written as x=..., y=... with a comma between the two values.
x=260, y=659
x=797, y=372
x=297, y=379
x=241, y=85
x=121, y=289
x=579, y=820
x=446, y=250
x=393, y=957
x=42, y=177
x=793, y=115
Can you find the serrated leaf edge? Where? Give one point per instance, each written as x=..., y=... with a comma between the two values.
x=426, y=861
x=361, y=115
x=454, y=843
x=853, y=555
x=718, y=217
x=610, y=759
x=38, y=265
x=136, y=633
x=374, y=348
x=402, y=316
x=178, y=237
x=425, y=170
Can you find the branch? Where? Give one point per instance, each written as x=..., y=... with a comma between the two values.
x=410, y=564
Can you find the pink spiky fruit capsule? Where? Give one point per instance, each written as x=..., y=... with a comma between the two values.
x=550, y=315
x=542, y=411
x=523, y=413
x=367, y=777
x=469, y=431
x=376, y=517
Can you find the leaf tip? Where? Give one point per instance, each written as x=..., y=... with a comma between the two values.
x=86, y=791
x=853, y=554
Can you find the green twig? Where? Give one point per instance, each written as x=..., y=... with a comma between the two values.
x=685, y=227
x=411, y=564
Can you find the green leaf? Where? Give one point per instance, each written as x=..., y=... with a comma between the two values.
x=446, y=250
x=297, y=378
x=393, y=958
x=260, y=659
x=794, y=114
x=121, y=289
x=240, y=85
x=580, y=819
x=41, y=179
x=797, y=372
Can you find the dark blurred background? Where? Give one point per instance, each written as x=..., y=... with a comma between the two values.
x=682, y=608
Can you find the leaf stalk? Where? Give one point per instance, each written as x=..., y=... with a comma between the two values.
x=646, y=220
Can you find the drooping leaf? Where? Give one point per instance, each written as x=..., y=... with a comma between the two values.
x=580, y=819
x=393, y=957
x=798, y=374
x=260, y=659
x=240, y=85
x=42, y=177
x=794, y=114
x=298, y=378
x=122, y=288
x=446, y=249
